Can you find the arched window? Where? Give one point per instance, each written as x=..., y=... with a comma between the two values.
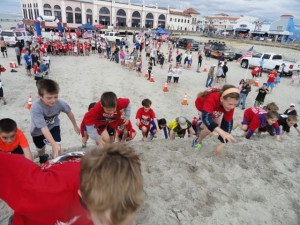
x=89, y=16
x=121, y=18
x=25, y=11
x=104, y=16
x=162, y=21
x=69, y=14
x=57, y=12
x=78, y=18
x=149, y=20
x=136, y=19
x=47, y=10
x=104, y=10
x=36, y=10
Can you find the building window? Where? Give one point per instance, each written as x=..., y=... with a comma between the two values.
x=162, y=21
x=121, y=18
x=188, y=21
x=149, y=20
x=89, y=16
x=47, y=10
x=181, y=22
x=78, y=18
x=104, y=16
x=279, y=27
x=185, y=20
x=136, y=19
x=57, y=12
x=170, y=19
x=69, y=14
x=175, y=20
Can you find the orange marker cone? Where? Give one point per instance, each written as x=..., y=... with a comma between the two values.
x=152, y=78
x=166, y=89
x=185, y=101
x=256, y=83
x=29, y=102
x=205, y=69
x=146, y=75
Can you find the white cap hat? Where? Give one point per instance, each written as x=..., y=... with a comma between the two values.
x=182, y=122
x=292, y=105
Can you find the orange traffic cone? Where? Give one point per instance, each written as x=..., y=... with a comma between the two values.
x=29, y=102
x=146, y=75
x=166, y=89
x=256, y=83
x=205, y=69
x=152, y=78
x=185, y=101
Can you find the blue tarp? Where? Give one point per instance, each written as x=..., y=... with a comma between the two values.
x=161, y=31
x=87, y=26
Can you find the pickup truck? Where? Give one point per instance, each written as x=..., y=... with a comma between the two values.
x=270, y=61
x=113, y=36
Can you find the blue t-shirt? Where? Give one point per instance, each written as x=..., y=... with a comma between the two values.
x=27, y=59
x=153, y=129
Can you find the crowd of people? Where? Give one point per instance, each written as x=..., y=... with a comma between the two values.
x=108, y=121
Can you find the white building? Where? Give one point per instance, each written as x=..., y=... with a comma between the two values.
x=182, y=20
x=219, y=22
x=73, y=13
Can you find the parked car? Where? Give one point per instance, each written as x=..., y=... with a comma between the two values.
x=183, y=42
x=271, y=60
x=219, y=48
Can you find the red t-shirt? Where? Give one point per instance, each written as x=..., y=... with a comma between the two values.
x=20, y=140
x=211, y=104
x=97, y=117
x=120, y=129
x=42, y=195
x=145, y=117
x=272, y=77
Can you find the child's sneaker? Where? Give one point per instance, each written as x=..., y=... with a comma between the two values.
x=198, y=146
x=194, y=142
x=44, y=158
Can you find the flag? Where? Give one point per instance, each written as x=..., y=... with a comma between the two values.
x=249, y=53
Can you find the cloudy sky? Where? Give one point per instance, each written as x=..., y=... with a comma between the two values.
x=264, y=9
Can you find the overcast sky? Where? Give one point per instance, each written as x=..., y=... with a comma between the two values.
x=263, y=9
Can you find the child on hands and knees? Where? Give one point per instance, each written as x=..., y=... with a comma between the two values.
x=259, y=121
x=102, y=120
x=143, y=117
x=212, y=104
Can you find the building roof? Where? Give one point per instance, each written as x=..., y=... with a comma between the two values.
x=191, y=11
x=180, y=13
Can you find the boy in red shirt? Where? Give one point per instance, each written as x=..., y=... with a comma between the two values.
x=75, y=188
x=256, y=120
x=272, y=78
x=102, y=120
x=12, y=140
x=143, y=117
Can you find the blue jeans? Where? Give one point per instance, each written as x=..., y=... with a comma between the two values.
x=243, y=100
x=209, y=81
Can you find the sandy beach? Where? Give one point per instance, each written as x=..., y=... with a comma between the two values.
x=252, y=182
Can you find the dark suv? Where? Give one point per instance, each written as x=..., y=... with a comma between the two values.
x=183, y=42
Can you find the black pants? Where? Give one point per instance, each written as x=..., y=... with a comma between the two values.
x=19, y=59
